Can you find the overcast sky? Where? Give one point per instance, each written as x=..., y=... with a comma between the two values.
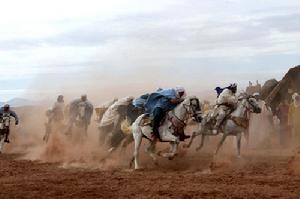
x=129, y=46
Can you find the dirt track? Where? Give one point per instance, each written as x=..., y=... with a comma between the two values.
x=258, y=174
x=254, y=176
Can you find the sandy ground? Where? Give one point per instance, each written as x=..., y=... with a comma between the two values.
x=30, y=168
x=256, y=175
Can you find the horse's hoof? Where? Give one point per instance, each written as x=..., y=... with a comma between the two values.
x=172, y=157
x=139, y=169
x=111, y=149
x=198, y=149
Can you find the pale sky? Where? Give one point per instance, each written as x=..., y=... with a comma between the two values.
x=132, y=46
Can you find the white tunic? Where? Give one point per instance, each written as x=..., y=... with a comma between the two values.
x=111, y=114
x=227, y=97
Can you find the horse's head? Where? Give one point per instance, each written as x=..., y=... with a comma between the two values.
x=251, y=104
x=193, y=108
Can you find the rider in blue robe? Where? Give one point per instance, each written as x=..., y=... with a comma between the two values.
x=160, y=102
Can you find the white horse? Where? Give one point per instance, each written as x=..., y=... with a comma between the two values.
x=173, y=124
x=4, y=128
x=234, y=125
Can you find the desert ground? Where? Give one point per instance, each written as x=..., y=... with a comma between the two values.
x=268, y=174
x=30, y=168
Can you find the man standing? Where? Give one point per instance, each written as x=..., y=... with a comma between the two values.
x=5, y=114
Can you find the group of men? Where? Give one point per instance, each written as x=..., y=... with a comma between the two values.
x=78, y=110
x=156, y=104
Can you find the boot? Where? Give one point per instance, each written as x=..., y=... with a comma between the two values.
x=156, y=135
x=183, y=137
x=6, y=139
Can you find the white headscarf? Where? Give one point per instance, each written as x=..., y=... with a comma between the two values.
x=180, y=89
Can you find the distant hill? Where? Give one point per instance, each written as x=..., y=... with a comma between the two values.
x=17, y=102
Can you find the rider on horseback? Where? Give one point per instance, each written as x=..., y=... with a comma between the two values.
x=160, y=102
x=6, y=112
x=55, y=116
x=80, y=112
x=58, y=110
x=226, y=103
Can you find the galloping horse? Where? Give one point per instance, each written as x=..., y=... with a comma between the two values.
x=234, y=124
x=170, y=129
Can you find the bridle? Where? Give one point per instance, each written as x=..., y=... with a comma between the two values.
x=253, y=107
x=191, y=109
x=177, y=123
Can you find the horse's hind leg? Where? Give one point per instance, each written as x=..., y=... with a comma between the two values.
x=247, y=137
x=201, y=143
x=221, y=143
x=128, y=140
x=238, y=140
x=137, y=135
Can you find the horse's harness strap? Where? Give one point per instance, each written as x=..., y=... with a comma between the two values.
x=226, y=104
x=177, y=125
x=240, y=121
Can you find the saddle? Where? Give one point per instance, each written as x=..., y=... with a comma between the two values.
x=240, y=122
x=147, y=120
x=177, y=125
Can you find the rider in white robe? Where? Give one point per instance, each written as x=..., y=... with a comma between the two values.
x=226, y=102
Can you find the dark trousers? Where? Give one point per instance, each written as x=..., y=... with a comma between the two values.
x=158, y=115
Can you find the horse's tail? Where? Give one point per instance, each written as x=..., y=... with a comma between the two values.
x=125, y=127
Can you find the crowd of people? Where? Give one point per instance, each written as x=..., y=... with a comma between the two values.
x=79, y=112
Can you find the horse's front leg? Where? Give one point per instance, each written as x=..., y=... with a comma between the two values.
x=221, y=143
x=238, y=140
x=150, y=149
x=201, y=143
x=169, y=137
x=194, y=134
x=173, y=151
